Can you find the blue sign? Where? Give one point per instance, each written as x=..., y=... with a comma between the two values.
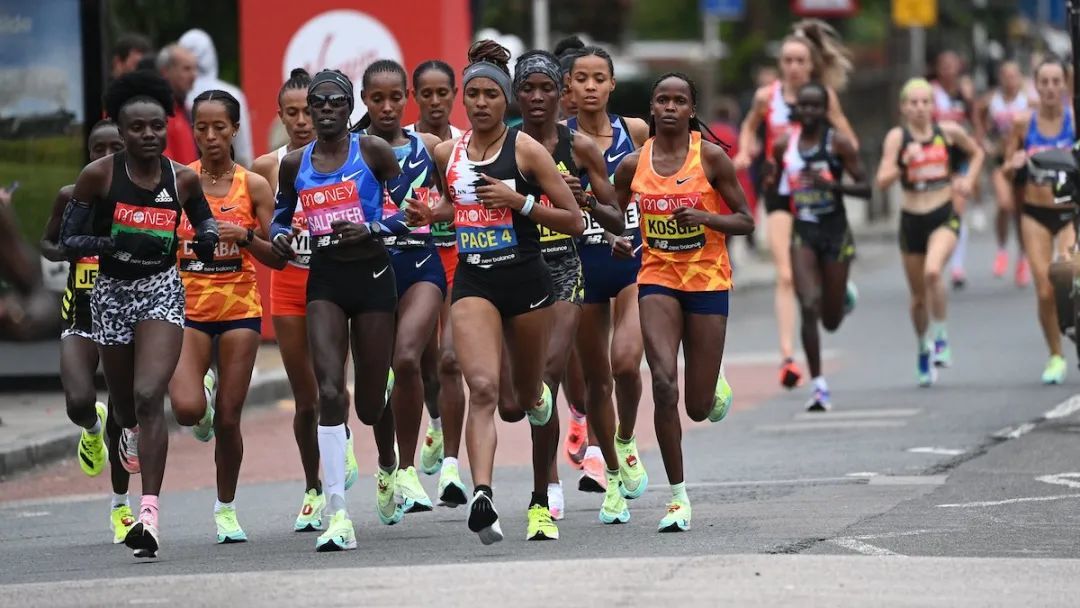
x=730, y=10
x=1051, y=10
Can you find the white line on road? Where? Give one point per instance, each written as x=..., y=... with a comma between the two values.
x=1065, y=408
x=31, y=514
x=1014, y=433
x=772, y=482
x=858, y=546
x=1071, y=480
x=848, y=414
x=893, y=534
x=825, y=425
x=1009, y=501
x=908, y=480
x=940, y=451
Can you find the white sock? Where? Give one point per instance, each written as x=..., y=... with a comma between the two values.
x=218, y=506
x=448, y=461
x=820, y=384
x=957, y=261
x=678, y=490
x=119, y=500
x=937, y=330
x=435, y=423
x=593, y=451
x=332, y=456
x=924, y=344
x=96, y=429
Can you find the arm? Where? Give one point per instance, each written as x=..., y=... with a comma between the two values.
x=839, y=120
x=443, y=211
x=726, y=183
x=639, y=131
x=979, y=116
x=50, y=240
x=380, y=157
x=975, y=153
x=198, y=213
x=281, y=228
x=774, y=167
x=602, y=205
x=748, y=130
x=859, y=186
x=76, y=231
x=564, y=215
x=1015, y=156
x=267, y=166
x=889, y=169
x=624, y=178
x=262, y=203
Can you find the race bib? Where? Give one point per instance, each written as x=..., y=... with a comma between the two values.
x=552, y=243
x=145, y=225
x=324, y=205
x=86, y=270
x=660, y=229
x=485, y=236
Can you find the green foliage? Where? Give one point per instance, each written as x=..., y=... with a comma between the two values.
x=38, y=184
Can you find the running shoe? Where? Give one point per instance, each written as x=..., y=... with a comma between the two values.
x=541, y=414
x=431, y=453
x=942, y=353
x=722, y=398
x=484, y=519
x=143, y=538
x=389, y=386
x=120, y=521
x=228, y=528
x=413, y=496
x=592, y=475
x=790, y=376
x=556, y=501
x=1055, y=370
x=339, y=535
x=1023, y=273
x=632, y=473
x=91, y=450
x=451, y=490
x=541, y=526
x=311, y=512
x=820, y=402
x=352, y=469
x=1001, y=263
x=959, y=278
x=577, y=435
x=925, y=370
x=614, y=509
x=677, y=518
x=851, y=297
x=390, y=512
x=204, y=428
x=129, y=450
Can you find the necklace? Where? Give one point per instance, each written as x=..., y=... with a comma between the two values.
x=493, y=142
x=214, y=178
x=587, y=132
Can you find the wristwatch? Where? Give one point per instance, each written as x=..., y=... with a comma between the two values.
x=247, y=239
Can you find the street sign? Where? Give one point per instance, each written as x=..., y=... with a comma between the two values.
x=831, y=9
x=726, y=10
x=914, y=13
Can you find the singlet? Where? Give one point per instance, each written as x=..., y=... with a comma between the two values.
x=442, y=233
x=931, y=171
x=556, y=245
x=454, y=131
x=416, y=181
x=811, y=204
x=351, y=192
x=490, y=237
x=687, y=259
x=1002, y=113
x=621, y=145
x=225, y=289
x=141, y=222
x=947, y=106
x=1034, y=141
x=301, y=243
x=777, y=117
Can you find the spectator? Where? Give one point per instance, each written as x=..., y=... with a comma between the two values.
x=128, y=52
x=177, y=66
x=201, y=46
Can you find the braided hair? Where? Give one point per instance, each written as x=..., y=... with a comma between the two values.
x=382, y=66
x=299, y=79
x=695, y=122
x=433, y=64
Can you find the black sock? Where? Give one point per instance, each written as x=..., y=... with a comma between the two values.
x=486, y=490
x=539, y=499
x=482, y=514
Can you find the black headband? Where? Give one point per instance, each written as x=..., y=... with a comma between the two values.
x=335, y=78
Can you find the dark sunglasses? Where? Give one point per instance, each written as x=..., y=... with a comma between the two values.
x=337, y=100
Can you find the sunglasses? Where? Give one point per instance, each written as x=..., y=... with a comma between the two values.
x=337, y=100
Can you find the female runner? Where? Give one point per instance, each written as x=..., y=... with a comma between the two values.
x=679, y=181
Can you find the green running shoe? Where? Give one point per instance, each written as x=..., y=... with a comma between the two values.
x=451, y=490
x=389, y=386
x=632, y=473
x=228, y=529
x=431, y=453
x=541, y=414
x=851, y=297
x=413, y=497
x=311, y=512
x=91, y=450
x=204, y=428
x=390, y=512
x=614, y=509
x=352, y=469
x=541, y=526
x=677, y=518
x=120, y=521
x=339, y=535
x=721, y=399
x=1055, y=370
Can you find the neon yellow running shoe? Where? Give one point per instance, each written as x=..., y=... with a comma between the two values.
x=311, y=512
x=339, y=535
x=614, y=509
x=91, y=450
x=204, y=428
x=1053, y=374
x=541, y=526
x=632, y=473
x=431, y=453
x=120, y=521
x=389, y=386
x=390, y=512
x=451, y=490
x=541, y=414
x=677, y=518
x=721, y=399
x=228, y=529
x=413, y=497
x=352, y=469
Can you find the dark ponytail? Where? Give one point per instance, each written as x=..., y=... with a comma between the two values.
x=382, y=66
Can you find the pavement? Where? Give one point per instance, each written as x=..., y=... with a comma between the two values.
x=964, y=494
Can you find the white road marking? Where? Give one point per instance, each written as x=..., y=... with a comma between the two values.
x=940, y=451
x=863, y=474
x=858, y=546
x=849, y=414
x=1014, y=433
x=908, y=480
x=894, y=534
x=825, y=425
x=1071, y=480
x=1009, y=501
x=770, y=482
x=31, y=514
x=1065, y=408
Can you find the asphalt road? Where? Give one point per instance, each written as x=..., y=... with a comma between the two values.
x=962, y=494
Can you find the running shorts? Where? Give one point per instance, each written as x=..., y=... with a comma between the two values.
x=288, y=291
x=566, y=276
x=691, y=302
x=774, y=201
x=916, y=228
x=217, y=328
x=606, y=275
x=513, y=290
x=418, y=265
x=1051, y=218
x=118, y=305
x=830, y=237
x=356, y=286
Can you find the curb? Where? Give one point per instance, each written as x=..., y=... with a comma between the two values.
x=48, y=447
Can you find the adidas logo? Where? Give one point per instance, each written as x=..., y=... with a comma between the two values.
x=163, y=197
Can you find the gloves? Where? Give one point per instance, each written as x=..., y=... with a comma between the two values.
x=206, y=240
x=74, y=226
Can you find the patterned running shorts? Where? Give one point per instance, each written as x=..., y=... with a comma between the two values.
x=566, y=274
x=117, y=305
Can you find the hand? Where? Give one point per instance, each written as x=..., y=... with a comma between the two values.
x=231, y=233
x=579, y=193
x=688, y=217
x=349, y=233
x=204, y=246
x=5, y=197
x=622, y=248
x=768, y=174
x=742, y=160
x=494, y=194
x=281, y=244
x=417, y=213
x=815, y=180
x=913, y=152
x=963, y=186
x=1018, y=159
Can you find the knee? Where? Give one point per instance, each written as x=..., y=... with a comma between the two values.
x=598, y=389
x=625, y=370
x=665, y=391
x=186, y=414
x=510, y=412
x=79, y=402
x=406, y=364
x=1044, y=290
x=148, y=400
x=931, y=276
x=784, y=279
x=809, y=307
x=483, y=391
x=918, y=302
x=698, y=410
x=448, y=363
x=831, y=323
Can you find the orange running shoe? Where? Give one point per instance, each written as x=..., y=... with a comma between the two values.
x=1001, y=263
x=577, y=435
x=790, y=375
x=592, y=474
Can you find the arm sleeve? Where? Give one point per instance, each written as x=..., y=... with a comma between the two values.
x=283, y=216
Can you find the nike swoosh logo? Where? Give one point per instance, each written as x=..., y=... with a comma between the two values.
x=413, y=165
x=376, y=275
x=396, y=188
x=423, y=261
x=227, y=209
x=545, y=299
x=612, y=159
x=346, y=178
x=682, y=181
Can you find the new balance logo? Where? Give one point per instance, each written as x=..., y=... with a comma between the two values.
x=163, y=197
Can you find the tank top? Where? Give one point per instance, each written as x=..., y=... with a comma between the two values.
x=556, y=245
x=687, y=259
x=1002, y=113
x=141, y=222
x=811, y=204
x=416, y=181
x=621, y=145
x=454, y=131
x=777, y=117
x=442, y=233
x=1034, y=141
x=932, y=169
x=225, y=289
x=349, y=193
x=301, y=243
x=490, y=237
x=947, y=106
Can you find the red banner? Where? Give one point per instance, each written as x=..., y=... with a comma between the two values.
x=279, y=35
